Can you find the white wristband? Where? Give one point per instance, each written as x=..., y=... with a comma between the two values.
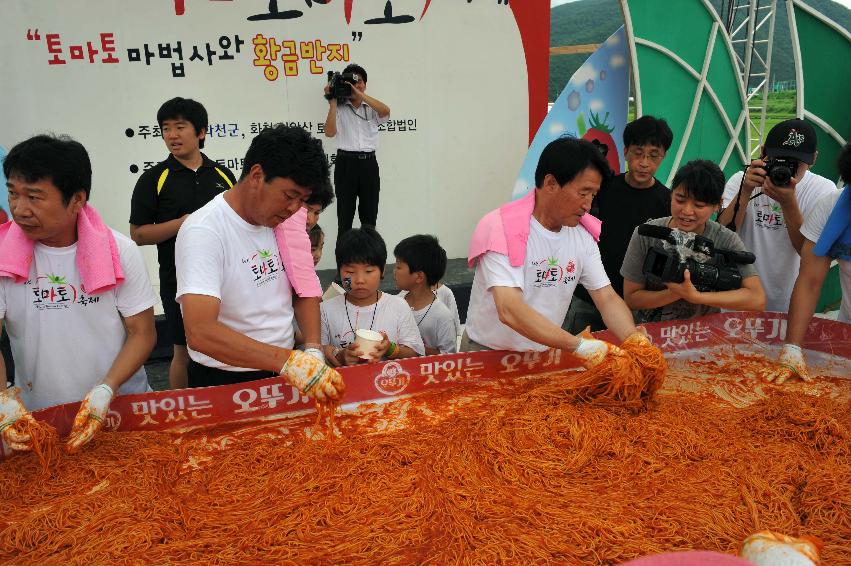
x=107, y=387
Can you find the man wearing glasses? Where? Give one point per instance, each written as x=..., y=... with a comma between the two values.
x=355, y=125
x=628, y=200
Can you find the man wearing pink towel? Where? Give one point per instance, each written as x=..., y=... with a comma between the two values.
x=531, y=254
x=242, y=277
x=74, y=294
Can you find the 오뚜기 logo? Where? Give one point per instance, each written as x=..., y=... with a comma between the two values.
x=393, y=379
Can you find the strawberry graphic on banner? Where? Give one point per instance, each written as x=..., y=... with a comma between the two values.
x=598, y=92
x=600, y=134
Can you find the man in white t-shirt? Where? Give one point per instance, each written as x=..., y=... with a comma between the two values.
x=521, y=293
x=827, y=236
x=237, y=298
x=70, y=341
x=767, y=204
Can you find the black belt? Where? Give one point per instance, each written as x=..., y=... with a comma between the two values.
x=356, y=154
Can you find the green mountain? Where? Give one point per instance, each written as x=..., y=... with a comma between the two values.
x=592, y=21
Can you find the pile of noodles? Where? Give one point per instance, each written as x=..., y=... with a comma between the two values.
x=565, y=469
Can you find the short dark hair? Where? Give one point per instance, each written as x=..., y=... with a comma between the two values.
x=702, y=180
x=355, y=68
x=190, y=110
x=322, y=196
x=423, y=253
x=648, y=130
x=315, y=234
x=289, y=152
x=843, y=163
x=60, y=160
x=361, y=245
x=565, y=158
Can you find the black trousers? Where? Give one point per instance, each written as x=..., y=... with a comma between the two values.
x=356, y=177
x=203, y=376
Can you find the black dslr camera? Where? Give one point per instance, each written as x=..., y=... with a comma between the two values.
x=711, y=268
x=781, y=170
x=341, y=86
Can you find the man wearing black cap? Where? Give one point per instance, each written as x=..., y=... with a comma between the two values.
x=767, y=204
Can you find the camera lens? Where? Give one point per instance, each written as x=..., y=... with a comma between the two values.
x=780, y=175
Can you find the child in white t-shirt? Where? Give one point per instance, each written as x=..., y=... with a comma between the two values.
x=317, y=242
x=361, y=256
x=420, y=263
x=447, y=297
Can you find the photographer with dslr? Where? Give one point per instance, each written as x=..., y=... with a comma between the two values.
x=767, y=203
x=354, y=117
x=712, y=283
x=827, y=237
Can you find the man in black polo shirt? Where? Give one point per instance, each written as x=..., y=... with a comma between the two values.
x=629, y=199
x=165, y=196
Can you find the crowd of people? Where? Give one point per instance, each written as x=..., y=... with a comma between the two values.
x=237, y=259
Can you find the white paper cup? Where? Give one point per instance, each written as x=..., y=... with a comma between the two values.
x=367, y=342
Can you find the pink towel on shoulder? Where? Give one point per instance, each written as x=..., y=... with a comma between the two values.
x=98, y=260
x=294, y=247
x=16, y=252
x=506, y=230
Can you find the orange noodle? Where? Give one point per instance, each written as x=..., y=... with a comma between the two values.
x=544, y=469
x=44, y=440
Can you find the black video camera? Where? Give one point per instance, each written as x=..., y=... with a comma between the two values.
x=781, y=170
x=711, y=268
x=341, y=86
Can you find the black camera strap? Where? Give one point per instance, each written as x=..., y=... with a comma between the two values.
x=732, y=224
x=365, y=112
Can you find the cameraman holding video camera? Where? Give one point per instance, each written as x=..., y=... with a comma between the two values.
x=767, y=203
x=354, y=117
x=679, y=292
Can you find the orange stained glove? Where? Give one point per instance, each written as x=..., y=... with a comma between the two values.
x=593, y=352
x=790, y=364
x=312, y=377
x=90, y=417
x=11, y=412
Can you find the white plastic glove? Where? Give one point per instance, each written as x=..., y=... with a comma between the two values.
x=767, y=548
x=12, y=411
x=90, y=416
x=791, y=363
x=316, y=353
x=312, y=377
x=592, y=352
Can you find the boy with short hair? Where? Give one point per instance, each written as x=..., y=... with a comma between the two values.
x=317, y=205
x=698, y=187
x=317, y=242
x=420, y=263
x=163, y=199
x=361, y=257
x=626, y=201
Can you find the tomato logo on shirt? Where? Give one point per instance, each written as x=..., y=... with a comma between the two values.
x=549, y=272
x=53, y=291
x=265, y=265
